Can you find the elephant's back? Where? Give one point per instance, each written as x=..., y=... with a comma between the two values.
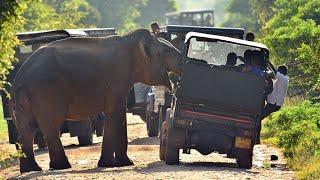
x=75, y=60
x=32, y=63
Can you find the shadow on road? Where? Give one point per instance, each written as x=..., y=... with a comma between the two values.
x=145, y=141
x=154, y=167
x=71, y=146
x=160, y=166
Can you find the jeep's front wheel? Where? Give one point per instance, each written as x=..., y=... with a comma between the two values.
x=40, y=141
x=163, y=133
x=86, y=137
x=244, y=158
x=152, y=123
x=171, y=152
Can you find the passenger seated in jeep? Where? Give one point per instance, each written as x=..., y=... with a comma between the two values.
x=231, y=60
x=252, y=60
x=246, y=59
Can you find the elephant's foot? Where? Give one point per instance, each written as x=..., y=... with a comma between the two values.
x=28, y=165
x=122, y=161
x=116, y=162
x=58, y=165
x=105, y=163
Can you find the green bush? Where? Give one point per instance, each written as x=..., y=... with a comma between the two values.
x=296, y=131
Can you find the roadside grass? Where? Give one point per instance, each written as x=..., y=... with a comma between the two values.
x=8, y=154
x=3, y=126
x=294, y=129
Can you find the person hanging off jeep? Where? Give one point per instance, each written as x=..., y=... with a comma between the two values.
x=155, y=28
x=280, y=85
x=275, y=99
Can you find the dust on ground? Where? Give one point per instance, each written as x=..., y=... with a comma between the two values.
x=144, y=151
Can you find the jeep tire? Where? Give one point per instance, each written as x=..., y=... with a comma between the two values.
x=152, y=123
x=163, y=133
x=244, y=158
x=39, y=140
x=86, y=137
x=171, y=152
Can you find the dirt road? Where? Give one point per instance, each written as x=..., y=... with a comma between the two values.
x=144, y=152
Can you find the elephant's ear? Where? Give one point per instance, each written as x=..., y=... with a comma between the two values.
x=144, y=51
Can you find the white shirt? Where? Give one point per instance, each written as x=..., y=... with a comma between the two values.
x=280, y=86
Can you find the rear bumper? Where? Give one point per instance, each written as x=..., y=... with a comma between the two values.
x=221, y=125
x=207, y=132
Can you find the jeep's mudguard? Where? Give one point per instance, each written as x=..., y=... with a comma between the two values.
x=221, y=89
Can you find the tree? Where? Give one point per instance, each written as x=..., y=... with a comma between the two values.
x=240, y=14
x=293, y=35
x=59, y=14
x=263, y=9
x=118, y=14
x=155, y=10
x=10, y=23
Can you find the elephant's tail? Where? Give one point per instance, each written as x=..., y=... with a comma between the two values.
x=20, y=102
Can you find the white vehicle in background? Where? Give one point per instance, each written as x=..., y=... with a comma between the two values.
x=191, y=18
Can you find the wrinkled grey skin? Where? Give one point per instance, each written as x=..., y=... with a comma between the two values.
x=76, y=78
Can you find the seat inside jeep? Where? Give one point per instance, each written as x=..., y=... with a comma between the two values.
x=220, y=88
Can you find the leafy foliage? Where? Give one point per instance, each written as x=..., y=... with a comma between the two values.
x=240, y=14
x=118, y=14
x=59, y=14
x=296, y=131
x=148, y=13
x=293, y=35
x=10, y=23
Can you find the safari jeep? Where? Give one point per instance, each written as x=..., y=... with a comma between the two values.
x=31, y=42
x=216, y=108
x=159, y=98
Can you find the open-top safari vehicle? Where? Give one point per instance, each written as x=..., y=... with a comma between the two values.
x=193, y=18
x=159, y=98
x=216, y=108
x=31, y=41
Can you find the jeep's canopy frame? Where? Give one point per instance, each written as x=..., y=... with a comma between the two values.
x=29, y=38
x=223, y=31
x=226, y=39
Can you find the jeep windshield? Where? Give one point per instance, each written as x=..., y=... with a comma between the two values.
x=215, y=52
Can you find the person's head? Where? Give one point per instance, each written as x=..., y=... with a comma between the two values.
x=208, y=19
x=257, y=59
x=247, y=56
x=250, y=36
x=283, y=69
x=231, y=59
x=155, y=28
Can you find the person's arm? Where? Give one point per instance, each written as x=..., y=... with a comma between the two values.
x=274, y=70
x=272, y=67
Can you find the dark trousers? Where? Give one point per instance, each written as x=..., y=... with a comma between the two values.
x=267, y=110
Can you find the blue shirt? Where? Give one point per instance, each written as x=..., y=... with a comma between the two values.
x=257, y=71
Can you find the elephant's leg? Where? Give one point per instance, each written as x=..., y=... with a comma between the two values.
x=114, y=139
x=26, y=127
x=50, y=118
x=108, y=142
x=58, y=158
x=121, y=150
x=50, y=130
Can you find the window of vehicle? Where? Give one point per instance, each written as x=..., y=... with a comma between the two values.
x=197, y=19
x=208, y=19
x=215, y=52
x=25, y=49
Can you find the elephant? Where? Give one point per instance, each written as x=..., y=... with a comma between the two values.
x=77, y=78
